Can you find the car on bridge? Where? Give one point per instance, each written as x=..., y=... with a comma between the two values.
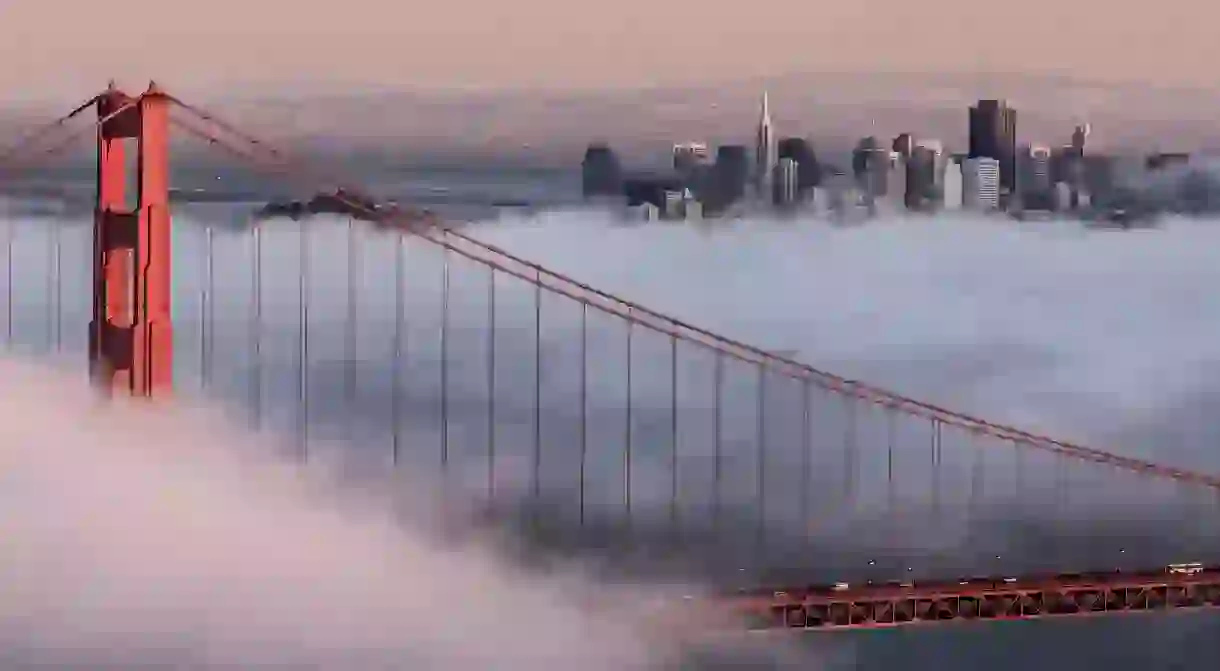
x=1192, y=568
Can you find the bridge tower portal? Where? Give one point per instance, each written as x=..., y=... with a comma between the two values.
x=131, y=335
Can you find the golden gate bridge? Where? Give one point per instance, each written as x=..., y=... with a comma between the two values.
x=815, y=501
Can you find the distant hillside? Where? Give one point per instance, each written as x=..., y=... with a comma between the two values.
x=549, y=129
x=834, y=109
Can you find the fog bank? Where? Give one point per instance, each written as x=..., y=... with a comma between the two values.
x=156, y=539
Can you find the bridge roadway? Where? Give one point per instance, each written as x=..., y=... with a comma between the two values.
x=892, y=604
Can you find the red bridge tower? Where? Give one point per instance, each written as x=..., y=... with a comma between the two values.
x=131, y=336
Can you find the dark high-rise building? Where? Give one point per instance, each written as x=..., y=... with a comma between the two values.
x=1061, y=164
x=1099, y=177
x=650, y=189
x=600, y=172
x=1035, y=177
x=730, y=174
x=993, y=134
x=904, y=144
x=870, y=167
x=808, y=172
x=1074, y=165
x=921, y=179
x=862, y=156
x=1080, y=135
x=689, y=157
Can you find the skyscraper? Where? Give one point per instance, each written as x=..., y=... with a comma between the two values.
x=1040, y=166
x=1080, y=135
x=1075, y=165
x=870, y=165
x=786, y=183
x=936, y=177
x=766, y=153
x=730, y=174
x=861, y=156
x=1063, y=196
x=921, y=179
x=1034, y=178
x=951, y=189
x=895, y=181
x=993, y=134
x=600, y=172
x=693, y=166
x=980, y=183
x=904, y=144
x=809, y=172
x=690, y=157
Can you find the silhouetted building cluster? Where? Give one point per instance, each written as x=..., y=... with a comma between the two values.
x=906, y=173
x=781, y=172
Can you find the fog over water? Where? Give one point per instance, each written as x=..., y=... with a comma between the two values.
x=1104, y=337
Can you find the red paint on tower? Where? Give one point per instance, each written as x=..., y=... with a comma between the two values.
x=131, y=336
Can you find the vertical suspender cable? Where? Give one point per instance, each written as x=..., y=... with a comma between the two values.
x=806, y=458
x=396, y=363
x=303, y=350
x=491, y=386
x=630, y=421
x=849, y=455
x=584, y=403
x=256, y=325
x=205, y=313
x=57, y=277
x=890, y=494
x=673, y=435
x=350, y=326
x=717, y=440
x=761, y=529
x=536, y=471
x=444, y=364
x=10, y=233
x=50, y=287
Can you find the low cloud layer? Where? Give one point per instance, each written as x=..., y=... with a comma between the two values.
x=1105, y=337
x=162, y=539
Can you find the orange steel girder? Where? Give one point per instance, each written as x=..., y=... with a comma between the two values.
x=1023, y=599
x=131, y=335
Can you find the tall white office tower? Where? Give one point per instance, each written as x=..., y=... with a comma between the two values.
x=1063, y=196
x=952, y=186
x=766, y=153
x=786, y=184
x=896, y=182
x=981, y=184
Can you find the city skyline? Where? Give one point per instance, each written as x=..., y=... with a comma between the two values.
x=997, y=169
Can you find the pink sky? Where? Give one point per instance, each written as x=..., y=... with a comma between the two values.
x=61, y=48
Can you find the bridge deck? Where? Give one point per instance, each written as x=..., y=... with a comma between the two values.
x=1029, y=598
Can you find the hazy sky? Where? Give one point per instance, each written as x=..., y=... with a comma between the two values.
x=57, y=47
